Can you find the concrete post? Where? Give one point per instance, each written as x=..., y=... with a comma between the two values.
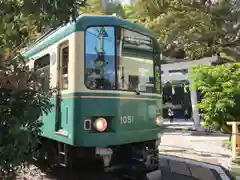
x=195, y=112
x=234, y=139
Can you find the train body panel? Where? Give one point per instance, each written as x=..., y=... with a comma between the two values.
x=107, y=74
x=130, y=119
x=65, y=133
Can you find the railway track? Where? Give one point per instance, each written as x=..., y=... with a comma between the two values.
x=83, y=174
x=90, y=171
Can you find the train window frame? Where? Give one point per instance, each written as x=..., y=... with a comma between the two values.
x=48, y=64
x=61, y=76
x=41, y=57
x=116, y=58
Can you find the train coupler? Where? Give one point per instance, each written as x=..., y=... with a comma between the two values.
x=152, y=162
x=148, y=158
x=106, y=154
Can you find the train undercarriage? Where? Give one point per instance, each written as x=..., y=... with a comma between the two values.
x=141, y=157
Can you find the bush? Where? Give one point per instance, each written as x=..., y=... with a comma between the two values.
x=220, y=87
x=22, y=102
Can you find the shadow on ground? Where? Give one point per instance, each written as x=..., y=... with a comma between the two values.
x=192, y=169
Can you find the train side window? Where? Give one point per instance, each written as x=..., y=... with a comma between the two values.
x=64, y=60
x=42, y=65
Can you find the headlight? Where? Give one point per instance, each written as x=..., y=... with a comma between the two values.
x=159, y=121
x=100, y=124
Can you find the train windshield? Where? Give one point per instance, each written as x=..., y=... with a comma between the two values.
x=135, y=61
x=120, y=59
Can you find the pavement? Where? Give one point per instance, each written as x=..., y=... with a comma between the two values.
x=179, y=125
x=180, y=169
x=187, y=157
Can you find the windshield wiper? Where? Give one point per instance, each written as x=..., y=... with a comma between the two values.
x=127, y=84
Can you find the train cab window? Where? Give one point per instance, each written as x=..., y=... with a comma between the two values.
x=42, y=65
x=100, y=58
x=64, y=59
x=135, y=60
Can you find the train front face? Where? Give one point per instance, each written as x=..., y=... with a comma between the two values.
x=121, y=109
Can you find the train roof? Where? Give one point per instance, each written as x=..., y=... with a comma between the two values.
x=81, y=23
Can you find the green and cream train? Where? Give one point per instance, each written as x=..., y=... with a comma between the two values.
x=108, y=104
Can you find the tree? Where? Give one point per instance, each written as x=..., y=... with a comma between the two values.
x=95, y=7
x=220, y=88
x=22, y=102
x=115, y=8
x=23, y=99
x=92, y=6
x=200, y=28
x=24, y=20
x=130, y=13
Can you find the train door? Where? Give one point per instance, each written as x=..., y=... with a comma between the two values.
x=62, y=87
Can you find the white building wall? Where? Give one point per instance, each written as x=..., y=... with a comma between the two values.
x=166, y=76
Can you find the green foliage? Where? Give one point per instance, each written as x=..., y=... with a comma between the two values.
x=130, y=13
x=115, y=8
x=95, y=7
x=24, y=20
x=22, y=99
x=22, y=102
x=201, y=28
x=220, y=87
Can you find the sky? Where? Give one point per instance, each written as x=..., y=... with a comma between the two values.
x=92, y=41
x=122, y=1
x=125, y=1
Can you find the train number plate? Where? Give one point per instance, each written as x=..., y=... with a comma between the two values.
x=126, y=120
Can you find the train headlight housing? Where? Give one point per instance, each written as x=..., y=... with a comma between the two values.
x=159, y=121
x=100, y=124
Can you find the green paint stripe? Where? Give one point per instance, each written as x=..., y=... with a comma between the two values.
x=113, y=95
